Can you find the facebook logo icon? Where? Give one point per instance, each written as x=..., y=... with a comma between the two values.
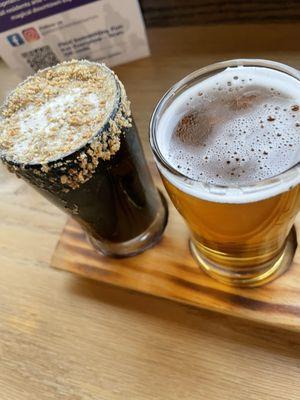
x=15, y=39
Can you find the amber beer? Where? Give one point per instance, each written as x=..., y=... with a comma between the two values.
x=227, y=144
x=242, y=235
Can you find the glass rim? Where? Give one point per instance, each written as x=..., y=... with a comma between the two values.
x=64, y=156
x=290, y=175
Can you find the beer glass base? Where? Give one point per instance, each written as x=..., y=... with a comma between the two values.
x=265, y=274
x=137, y=245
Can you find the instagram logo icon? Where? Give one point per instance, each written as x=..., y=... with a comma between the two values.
x=30, y=34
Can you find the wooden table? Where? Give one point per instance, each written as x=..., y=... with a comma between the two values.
x=66, y=338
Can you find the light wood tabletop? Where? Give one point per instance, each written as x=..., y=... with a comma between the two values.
x=66, y=338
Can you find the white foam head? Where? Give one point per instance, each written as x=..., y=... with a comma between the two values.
x=56, y=111
x=234, y=129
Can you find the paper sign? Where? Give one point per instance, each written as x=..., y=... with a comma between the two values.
x=39, y=33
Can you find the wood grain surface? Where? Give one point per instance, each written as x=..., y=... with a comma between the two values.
x=67, y=338
x=168, y=271
x=195, y=12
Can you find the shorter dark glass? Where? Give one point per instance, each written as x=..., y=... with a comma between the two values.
x=119, y=207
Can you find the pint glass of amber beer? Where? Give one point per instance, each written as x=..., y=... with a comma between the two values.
x=226, y=140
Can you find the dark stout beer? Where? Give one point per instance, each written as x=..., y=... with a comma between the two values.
x=68, y=131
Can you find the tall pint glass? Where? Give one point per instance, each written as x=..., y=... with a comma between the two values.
x=68, y=131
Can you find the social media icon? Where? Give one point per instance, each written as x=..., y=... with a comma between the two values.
x=30, y=34
x=15, y=39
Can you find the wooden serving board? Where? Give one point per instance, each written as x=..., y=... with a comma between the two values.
x=169, y=271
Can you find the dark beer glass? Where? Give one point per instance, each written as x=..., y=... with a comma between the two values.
x=113, y=198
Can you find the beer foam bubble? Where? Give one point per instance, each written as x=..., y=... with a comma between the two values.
x=236, y=128
x=56, y=111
